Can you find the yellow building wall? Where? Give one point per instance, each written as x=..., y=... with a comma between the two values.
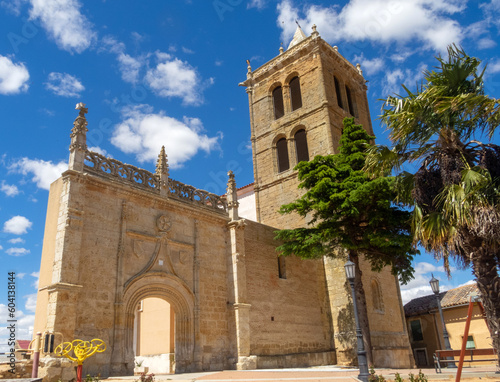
x=155, y=327
x=455, y=319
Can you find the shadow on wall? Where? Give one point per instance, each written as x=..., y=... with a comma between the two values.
x=346, y=337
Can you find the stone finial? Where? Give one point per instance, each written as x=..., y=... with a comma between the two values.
x=281, y=48
x=314, y=32
x=162, y=171
x=78, y=146
x=249, y=69
x=232, y=197
x=358, y=66
x=336, y=48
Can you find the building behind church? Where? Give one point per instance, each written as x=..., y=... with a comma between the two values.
x=118, y=237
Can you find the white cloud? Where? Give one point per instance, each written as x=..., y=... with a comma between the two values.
x=378, y=21
x=16, y=252
x=16, y=240
x=187, y=50
x=44, y=172
x=13, y=6
x=112, y=45
x=259, y=4
x=1, y=247
x=17, y=225
x=143, y=132
x=20, y=275
x=393, y=80
x=99, y=150
x=175, y=78
x=401, y=56
x=64, y=23
x=30, y=302
x=36, y=275
x=64, y=85
x=370, y=67
x=130, y=67
x=486, y=43
x=493, y=66
x=13, y=77
x=420, y=286
x=9, y=190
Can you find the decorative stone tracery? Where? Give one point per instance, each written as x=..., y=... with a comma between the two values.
x=100, y=165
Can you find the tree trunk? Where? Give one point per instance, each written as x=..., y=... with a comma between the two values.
x=362, y=311
x=488, y=283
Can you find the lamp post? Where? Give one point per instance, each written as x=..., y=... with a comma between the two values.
x=435, y=288
x=350, y=270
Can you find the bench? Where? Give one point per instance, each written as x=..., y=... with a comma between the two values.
x=441, y=356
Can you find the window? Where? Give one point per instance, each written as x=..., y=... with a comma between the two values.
x=279, y=110
x=281, y=267
x=295, y=93
x=470, y=343
x=416, y=330
x=282, y=149
x=301, y=146
x=349, y=100
x=337, y=92
x=376, y=296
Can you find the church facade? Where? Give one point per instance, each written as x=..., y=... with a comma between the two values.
x=117, y=235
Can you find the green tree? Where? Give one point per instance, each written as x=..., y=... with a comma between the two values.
x=351, y=212
x=455, y=190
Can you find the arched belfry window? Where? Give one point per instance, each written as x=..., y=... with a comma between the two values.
x=349, y=100
x=279, y=109
x=337, y=92
x=282, y=151
x=301, y=146
x=295, y=95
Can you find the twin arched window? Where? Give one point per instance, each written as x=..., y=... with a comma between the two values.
x=301, y=150
x=279, y=108
x=282, y=150
x=337, y=92
x=295, y=98
x=351, y=107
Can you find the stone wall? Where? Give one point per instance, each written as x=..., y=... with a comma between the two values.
x=288, y=315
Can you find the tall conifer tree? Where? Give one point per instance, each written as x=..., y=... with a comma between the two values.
x=350, y=213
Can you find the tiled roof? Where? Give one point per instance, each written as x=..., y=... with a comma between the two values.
x=452, y=297
x=23, y=344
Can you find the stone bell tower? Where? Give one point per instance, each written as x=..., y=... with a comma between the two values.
x=297, y=103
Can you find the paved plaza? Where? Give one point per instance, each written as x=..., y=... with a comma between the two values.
x=322, y=374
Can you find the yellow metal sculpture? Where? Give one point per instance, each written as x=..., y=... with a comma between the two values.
x=81, y=350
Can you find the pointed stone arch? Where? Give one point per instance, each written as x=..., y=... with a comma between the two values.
x=173, y=290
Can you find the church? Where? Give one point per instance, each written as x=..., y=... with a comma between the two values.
x=182, y=280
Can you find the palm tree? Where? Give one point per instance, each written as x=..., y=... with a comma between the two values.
x=455, y=191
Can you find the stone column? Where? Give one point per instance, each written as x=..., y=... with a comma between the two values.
x=78, y=145
x=239, y=282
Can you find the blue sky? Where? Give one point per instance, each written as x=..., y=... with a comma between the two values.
x=158, y=73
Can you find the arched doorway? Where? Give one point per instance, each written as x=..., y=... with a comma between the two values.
x=154, y=336
x=173, y=290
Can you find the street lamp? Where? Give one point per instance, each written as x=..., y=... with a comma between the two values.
x=350, y=270
x=435, y=288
